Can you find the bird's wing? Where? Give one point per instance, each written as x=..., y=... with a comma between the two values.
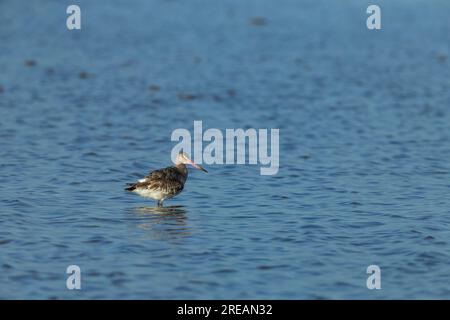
x=159, y=174
x=168, y=179
x=144, y=182
x=164, y=179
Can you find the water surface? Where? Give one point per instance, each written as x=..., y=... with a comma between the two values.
x=364, y=149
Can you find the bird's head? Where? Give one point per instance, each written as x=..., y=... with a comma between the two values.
x=183, y=158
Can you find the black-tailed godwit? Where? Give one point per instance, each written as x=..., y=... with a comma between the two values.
x=164, y=183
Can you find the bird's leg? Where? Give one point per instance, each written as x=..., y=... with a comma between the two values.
x=159, y=203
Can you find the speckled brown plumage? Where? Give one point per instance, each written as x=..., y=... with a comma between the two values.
x=170, y=181
x=164, y=183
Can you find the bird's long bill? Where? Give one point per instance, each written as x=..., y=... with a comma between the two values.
x=198, y=167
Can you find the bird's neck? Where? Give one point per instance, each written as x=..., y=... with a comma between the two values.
x=182, y=168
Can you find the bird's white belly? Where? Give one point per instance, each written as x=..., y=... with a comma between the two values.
x=153, y=194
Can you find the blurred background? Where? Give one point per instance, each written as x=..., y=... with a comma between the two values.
x=364, y=149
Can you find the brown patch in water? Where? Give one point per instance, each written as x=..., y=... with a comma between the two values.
x=188, y=96
x=231, y=92
x=442, y=58
x=154, y=87
x=258, y=21
x=30, y=63
x=84, y=75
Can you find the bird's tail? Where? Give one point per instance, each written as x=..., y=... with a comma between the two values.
x=130, y=186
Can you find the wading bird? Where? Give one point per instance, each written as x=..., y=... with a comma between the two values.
x=164, y=183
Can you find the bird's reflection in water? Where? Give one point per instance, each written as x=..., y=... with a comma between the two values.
x=162, y=223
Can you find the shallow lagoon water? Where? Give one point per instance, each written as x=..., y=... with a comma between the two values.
x=364, y=149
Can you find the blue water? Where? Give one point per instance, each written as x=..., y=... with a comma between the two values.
x=364, y=149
